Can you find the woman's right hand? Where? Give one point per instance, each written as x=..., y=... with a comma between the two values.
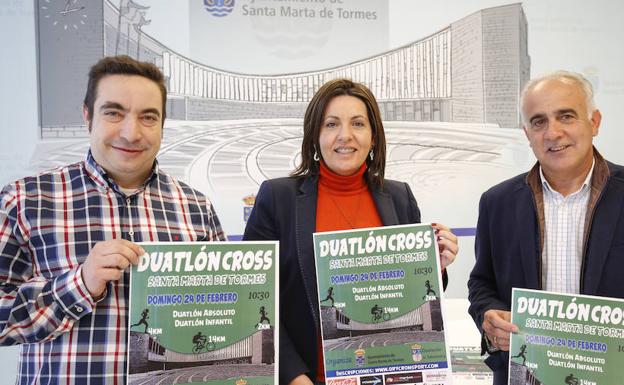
x=301, y=379
x=447, y=243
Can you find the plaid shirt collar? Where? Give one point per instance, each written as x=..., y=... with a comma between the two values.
x=103, y=181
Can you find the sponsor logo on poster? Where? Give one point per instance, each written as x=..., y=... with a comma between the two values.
x=360, y=357
x=404, y=378
x=372, y=380
x=417, y=352
x=441, y=377
x=343, y=381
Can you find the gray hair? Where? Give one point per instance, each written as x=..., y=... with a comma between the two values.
x=564, y=77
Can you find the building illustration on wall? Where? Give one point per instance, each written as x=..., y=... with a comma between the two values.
x=449, y=102
x=469, y=72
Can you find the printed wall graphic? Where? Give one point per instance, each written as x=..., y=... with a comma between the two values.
x=566, y=339
x=380, y=304
x=448, y=96
x=449, y=99
x=204, y=313
x=448, y=164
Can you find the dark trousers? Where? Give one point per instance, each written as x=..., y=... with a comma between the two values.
x=500, y=377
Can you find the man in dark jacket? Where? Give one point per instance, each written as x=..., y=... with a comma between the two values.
x=558, y=227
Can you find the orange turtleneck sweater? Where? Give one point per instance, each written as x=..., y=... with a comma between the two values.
x=344, y=202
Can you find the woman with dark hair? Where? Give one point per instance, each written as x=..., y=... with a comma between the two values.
x=339, y=185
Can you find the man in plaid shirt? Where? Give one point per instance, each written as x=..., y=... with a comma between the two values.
x=68, y=235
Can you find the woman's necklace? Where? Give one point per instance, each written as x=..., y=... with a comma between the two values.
x=344, y=215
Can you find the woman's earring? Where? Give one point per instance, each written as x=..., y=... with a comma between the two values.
x=372, y=155
x=316, y=157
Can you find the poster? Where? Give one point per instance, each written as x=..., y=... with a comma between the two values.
x=204, y=313
x=566, y=339
x=380, y=306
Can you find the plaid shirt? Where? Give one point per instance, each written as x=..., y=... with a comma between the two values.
x=49, y=223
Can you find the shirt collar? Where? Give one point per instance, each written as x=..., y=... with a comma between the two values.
x=102, y=180
x=585, y=184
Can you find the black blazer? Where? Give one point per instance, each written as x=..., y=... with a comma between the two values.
x=285, y=210
x=508, y=252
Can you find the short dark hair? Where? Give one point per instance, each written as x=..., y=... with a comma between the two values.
x=312, y=127
x=123, y=65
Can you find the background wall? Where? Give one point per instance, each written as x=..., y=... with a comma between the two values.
x=572, y=34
